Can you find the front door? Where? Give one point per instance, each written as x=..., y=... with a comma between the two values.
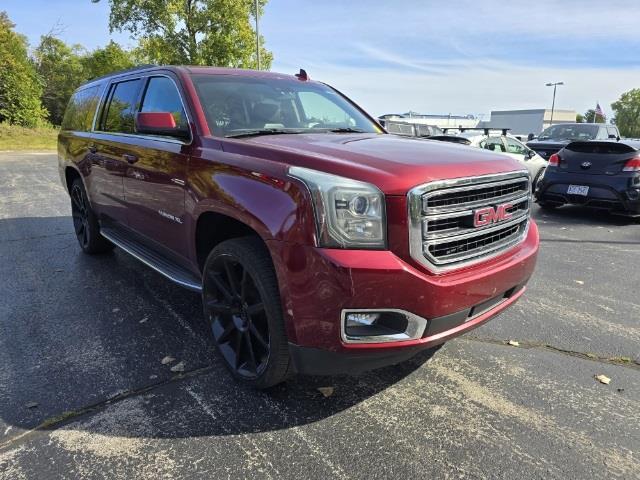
x=154, y=184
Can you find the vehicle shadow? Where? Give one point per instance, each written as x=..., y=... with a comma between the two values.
x=83, y=341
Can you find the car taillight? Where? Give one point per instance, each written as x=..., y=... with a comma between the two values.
x=632, y=165
x=554, y=160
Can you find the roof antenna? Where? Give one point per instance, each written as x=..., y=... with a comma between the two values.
x=302, y=75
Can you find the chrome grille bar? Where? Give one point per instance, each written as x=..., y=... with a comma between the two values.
x=442, y=234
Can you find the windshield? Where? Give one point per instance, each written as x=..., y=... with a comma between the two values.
x=570, y=132
x=235, y=105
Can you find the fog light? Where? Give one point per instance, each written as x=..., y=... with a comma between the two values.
x=361, y=319
x=633, y=194
x=362, y=326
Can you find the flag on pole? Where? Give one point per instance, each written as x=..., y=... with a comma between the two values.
x=598, y=112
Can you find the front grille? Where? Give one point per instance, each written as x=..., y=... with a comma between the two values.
x=457, y=222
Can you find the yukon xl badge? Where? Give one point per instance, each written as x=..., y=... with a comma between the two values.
x=489, y=215
x=169, y=216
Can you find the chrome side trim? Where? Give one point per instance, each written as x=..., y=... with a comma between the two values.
x=416, y=326
x=188, y=285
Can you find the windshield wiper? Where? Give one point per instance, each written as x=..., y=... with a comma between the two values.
x=345, y=130
x=262, y=131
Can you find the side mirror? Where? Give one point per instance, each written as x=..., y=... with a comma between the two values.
x=160, y=123
x=530, y=154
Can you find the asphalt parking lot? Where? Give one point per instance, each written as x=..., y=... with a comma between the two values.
x=84, y=392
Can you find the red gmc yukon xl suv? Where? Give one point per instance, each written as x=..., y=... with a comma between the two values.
x=320, y=243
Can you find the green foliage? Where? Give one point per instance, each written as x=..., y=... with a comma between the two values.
x=193, y=32
x=106, y=60
x=20, y=88
x=591, y=117
x=15, y=137
x=627, y=113
x=579, y=118
x=61, y=70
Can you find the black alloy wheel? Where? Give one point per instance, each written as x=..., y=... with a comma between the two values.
x=85, y=223
x=80, y=215
x=242, y=305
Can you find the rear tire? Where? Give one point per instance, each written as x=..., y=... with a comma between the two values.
x=534, y=184
x=242, y=305
x=85, y=222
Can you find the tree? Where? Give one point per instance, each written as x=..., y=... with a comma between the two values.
x=194, y=32
x=627, y=113
x=60, y=67
x=591, y=117
x=107, y=60
x=20, y=87
x=579, y=118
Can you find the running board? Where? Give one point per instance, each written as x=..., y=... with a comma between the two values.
x=152, y=259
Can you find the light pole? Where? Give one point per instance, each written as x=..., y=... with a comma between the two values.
x=255, y=4
x=553, y=104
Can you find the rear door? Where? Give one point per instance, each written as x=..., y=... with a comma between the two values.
x=154, y=185
x=111, y=144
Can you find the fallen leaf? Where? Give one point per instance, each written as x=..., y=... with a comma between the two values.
x=153, y=377
x=115, y=310
x=178, y=367
x=166, y=360
x=603, y=379
x=579, y=282
x=514, y=343
x=144, y=319
x=326, y=391
x=32, y=405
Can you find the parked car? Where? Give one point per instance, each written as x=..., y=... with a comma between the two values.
x=320, y=244
x=409, y=129
x=554, y=138
x=603, y=175
x=501, y=143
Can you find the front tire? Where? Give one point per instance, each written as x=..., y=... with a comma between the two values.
x=242, y=306
x=85, y=222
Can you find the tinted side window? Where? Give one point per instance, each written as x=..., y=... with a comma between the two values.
x=514, y=146
x=80, y=110
x=162, y=96
x=122, y=107
x=494, y=144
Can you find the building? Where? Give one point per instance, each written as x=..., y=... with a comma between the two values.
x=524, y=122
x=442, y=121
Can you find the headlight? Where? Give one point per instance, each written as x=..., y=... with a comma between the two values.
x=349, y=214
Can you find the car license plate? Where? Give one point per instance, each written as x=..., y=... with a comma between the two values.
x=578, y=190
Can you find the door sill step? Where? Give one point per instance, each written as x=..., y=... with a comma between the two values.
x=152, y=259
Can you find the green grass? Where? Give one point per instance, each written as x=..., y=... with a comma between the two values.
x=13, y=137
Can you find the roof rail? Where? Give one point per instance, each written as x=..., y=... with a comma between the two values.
x=121, y=72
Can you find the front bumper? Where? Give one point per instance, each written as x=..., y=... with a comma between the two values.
x=318, y=284
x=615, y=193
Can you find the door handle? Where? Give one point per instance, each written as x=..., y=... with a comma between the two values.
x=92, y=148
x=131, y=159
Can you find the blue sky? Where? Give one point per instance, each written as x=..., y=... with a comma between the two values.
x=434, y=57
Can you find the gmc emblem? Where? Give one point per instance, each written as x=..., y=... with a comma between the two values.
x=490, y=215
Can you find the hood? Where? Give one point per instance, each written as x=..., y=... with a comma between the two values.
x=394, y=164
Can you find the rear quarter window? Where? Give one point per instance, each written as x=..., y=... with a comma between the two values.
x=81, y=110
